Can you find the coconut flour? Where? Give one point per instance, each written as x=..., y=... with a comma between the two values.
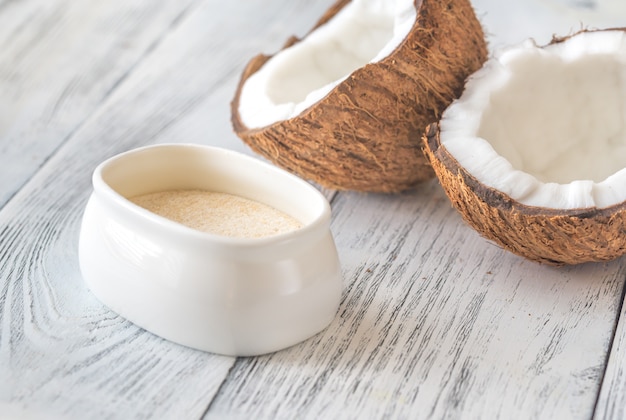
x=218, y=213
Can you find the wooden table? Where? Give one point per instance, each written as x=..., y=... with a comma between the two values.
x=435, y=321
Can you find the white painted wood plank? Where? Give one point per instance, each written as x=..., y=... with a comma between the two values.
x=61, y=352
x=59, y=60
x=508, y=22
x=612, y=398
x=436, y=322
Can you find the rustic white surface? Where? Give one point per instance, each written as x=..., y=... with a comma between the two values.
x=512, y=21
x=435, y=321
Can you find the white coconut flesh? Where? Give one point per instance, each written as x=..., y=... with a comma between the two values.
x=362, y=32
x=547, y=126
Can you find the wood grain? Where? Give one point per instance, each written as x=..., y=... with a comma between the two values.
x=436, y=322
x=59, y=60
x=612, y=398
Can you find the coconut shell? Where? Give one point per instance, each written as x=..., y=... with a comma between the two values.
x=365, y=134
x=552, y=236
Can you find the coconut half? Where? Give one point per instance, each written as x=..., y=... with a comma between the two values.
x=346, y=105
x=533, y=154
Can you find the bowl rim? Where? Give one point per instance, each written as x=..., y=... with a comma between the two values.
x=120, y=203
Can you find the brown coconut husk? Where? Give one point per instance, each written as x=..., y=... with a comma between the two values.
x=365, y=134
x=551, y=236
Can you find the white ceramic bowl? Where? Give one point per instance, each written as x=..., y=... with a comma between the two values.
x=233, y=296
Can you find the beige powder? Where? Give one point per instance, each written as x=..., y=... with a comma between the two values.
x=218, y=213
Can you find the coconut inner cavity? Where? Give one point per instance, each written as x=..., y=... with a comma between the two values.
x=558, y=120
x=547, y=126
x=362, y=32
